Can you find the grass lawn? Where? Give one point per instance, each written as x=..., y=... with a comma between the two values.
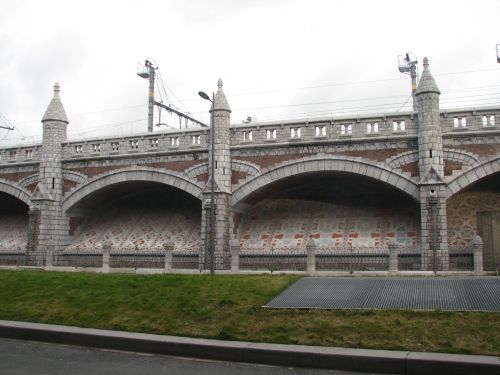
x=228, y=308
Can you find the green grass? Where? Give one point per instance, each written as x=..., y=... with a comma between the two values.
x=228, y=307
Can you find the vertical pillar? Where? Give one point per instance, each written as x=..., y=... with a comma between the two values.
x=106, y=250
x=477, y=249
x=393, y=256
x=221, y=174
x=53, y=226
x=434, y=236
x=235, y=255
x=168, y=246
x=311, y=256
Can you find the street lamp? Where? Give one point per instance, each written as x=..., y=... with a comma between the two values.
x=212, y=181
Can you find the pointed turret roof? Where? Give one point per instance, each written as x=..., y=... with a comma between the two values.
x=427, y=83
x=220, y=102
x=55, y=111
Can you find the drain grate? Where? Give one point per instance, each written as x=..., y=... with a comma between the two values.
x=433, y=293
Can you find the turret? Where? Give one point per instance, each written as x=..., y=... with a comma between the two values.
x=221, y=118
x=54, y=123
x=430, y=144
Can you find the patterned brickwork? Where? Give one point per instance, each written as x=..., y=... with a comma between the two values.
x=482, y=150
x=142, y=221
x=13, y=228
x=462, y=212
x=15, y=176
x=287, y=224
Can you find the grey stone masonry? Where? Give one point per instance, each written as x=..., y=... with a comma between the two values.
x=221, y=117
x=434, y=238
x=53, y=225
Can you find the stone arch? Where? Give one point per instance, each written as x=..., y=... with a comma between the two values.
x=136, y=174
x=472, y=175
x=26, y=181
x=18, y=192
x=74, y=176
x=329, y=164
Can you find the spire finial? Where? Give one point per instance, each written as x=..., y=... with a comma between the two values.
x=220, y=102
x=55, y=110
x=427, y=83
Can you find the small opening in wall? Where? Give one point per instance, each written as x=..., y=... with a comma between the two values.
x=53, y=182
x=430, y=152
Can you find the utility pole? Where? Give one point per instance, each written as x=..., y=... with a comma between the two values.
x=148, y=71
x=408, y=65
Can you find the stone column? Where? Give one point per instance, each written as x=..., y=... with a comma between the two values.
x=106, y=249
x=477, y=248
x=220, y=177
x=393, y=257
x=434, y=235
x=168, y=246
x=235, y=255
x=311, y=256
x=47, y=196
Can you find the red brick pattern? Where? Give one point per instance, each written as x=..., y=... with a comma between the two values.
x=237, y=175
x=411, y=168
x=68, y=185
x=16, y=176
x=94, y=171
x=479, y=149
x=450, y=166
x=202, y=177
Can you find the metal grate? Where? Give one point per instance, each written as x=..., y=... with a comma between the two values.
x=433, y=293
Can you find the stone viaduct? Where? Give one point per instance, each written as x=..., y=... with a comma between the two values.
x=427, y=181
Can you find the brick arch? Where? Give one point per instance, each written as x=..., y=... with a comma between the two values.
x=473, y=175
x=136, y=174
x=331, y=164
x=16, y=191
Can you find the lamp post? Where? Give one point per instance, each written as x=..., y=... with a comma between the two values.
x=212, y=181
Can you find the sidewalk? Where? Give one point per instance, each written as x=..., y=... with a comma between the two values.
x=378, y=361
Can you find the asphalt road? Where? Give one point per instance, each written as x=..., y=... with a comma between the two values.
x=29, y=357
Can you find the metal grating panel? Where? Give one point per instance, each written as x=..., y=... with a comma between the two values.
x=432, y=293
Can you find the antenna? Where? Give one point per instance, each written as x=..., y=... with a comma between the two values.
x=408, y=65
x=147, y=71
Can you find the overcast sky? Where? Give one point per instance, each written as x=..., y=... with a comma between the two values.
x=276, y=58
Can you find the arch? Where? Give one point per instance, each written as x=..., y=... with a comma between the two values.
x=17, y=192
x=401, y=159
x=245, y=166
x=328, y=164
x=135, y=174
x=74, y=176
x=26, y=181
x=461, y=156
x=474, y=174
